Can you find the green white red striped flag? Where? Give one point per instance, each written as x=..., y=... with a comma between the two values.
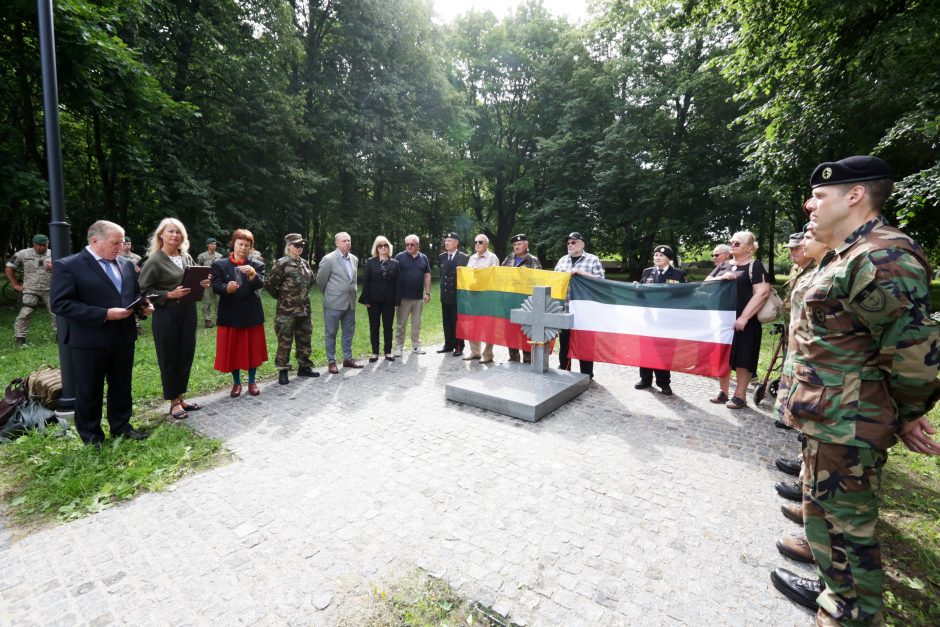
x=685, y=327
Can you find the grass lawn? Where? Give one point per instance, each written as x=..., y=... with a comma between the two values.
x=49, y=478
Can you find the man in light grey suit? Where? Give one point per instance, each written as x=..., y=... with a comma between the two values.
x=336, y=278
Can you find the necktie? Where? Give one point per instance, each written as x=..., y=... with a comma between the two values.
x=450, y=257
x=109, y=270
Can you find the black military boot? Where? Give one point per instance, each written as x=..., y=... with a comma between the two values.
x=282, y=377
x=21, y=341
x=307, y=371
x=789, y=490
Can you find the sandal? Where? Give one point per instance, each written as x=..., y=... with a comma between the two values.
x=190, y=406
x=736, y=403
x=721, y=398
x=179, y=415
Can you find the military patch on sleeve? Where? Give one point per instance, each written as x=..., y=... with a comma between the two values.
x=819, y=315
x=872, y=299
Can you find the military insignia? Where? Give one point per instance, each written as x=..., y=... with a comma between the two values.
x=872, y=299
x=819, y=315
x=827, y=174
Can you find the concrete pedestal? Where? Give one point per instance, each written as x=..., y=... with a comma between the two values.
x=514, y=390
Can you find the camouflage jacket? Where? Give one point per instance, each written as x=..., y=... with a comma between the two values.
x=797, y=334
x=866, y=353
x=206, y=258
x=796, y=273
x=36, y=277
x=529, y=261
x=289, y=282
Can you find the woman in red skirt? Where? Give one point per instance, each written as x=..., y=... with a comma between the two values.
x=239, y=339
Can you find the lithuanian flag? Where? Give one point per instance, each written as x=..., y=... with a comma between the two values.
x=486, y=296
x=685, y=327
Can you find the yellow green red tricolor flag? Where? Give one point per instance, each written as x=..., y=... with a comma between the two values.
x=687, y=327
x=486, y=296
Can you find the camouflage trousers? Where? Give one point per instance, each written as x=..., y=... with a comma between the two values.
x=840, y=511
x=209, y=300
x=31, y=300
x=290, y=329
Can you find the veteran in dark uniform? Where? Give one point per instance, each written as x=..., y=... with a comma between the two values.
x=448, y=262
x=289, y=282
x=521, y=258
x=661, y=272
x=864, y=374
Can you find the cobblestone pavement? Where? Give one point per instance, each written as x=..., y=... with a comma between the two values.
x=622, y=508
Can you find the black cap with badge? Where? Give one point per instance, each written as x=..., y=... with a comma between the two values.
x=452, y=235
x=521, y=237
x=850, y=170
x=664, y=250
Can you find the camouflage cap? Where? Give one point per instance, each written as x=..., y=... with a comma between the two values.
x=211, y=240
x=850, y=170
x=796, y=240
x=40, y=239
x=294, y=238
x=665, y=250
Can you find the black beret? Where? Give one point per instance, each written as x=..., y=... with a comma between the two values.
x=574, y=235
x=452, y=235
x=850, y=170
x=518, y=238
x=665, y=250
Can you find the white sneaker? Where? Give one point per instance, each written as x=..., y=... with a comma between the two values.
x=419, y=351
x=397, y=352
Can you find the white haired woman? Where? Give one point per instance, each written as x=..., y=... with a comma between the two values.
x=174, y=322
x=753, y=288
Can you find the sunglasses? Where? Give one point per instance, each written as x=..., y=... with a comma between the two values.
x=734, y=244
x=479, y=241
x=298, y=244
x=571, y=242
x=382, y=246
x=717, y=254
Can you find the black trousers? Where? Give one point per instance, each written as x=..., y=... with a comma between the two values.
x=586, y=367
x=174, y=337
x=91, y=367
x=663, y=377
x=384, y=312
x=449, y=315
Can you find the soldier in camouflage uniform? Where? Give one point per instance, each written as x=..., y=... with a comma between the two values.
x=35, y=266
x=128, y=253
x=209, y=298
x=864, y=373
x=289, y=282
x=801, y=265
x=521, y=258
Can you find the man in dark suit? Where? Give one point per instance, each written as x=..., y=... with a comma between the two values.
x=660, y=272
x=449, y=261
x=94, y=290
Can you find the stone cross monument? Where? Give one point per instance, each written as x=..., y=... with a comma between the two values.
x=541, y=319
x=515, y=390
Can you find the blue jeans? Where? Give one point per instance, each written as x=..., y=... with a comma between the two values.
x=331, y=322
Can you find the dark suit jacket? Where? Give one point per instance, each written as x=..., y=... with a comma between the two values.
x=671, y=275
x=83, y=293
x=379, y=287
x=449, y=276
x=242, y=308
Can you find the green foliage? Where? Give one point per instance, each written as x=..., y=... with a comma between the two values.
x=50, y=478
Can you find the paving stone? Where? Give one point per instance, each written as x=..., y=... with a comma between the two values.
x=615, y=509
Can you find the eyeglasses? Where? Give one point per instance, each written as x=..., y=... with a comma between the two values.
x=572, y=242
x=717, y=254
x=734, y=244
x=382, y=246
x=478, y=242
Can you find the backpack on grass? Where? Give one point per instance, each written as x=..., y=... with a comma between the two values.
x=45, y=386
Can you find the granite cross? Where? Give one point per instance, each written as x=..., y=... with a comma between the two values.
x=541, y=318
